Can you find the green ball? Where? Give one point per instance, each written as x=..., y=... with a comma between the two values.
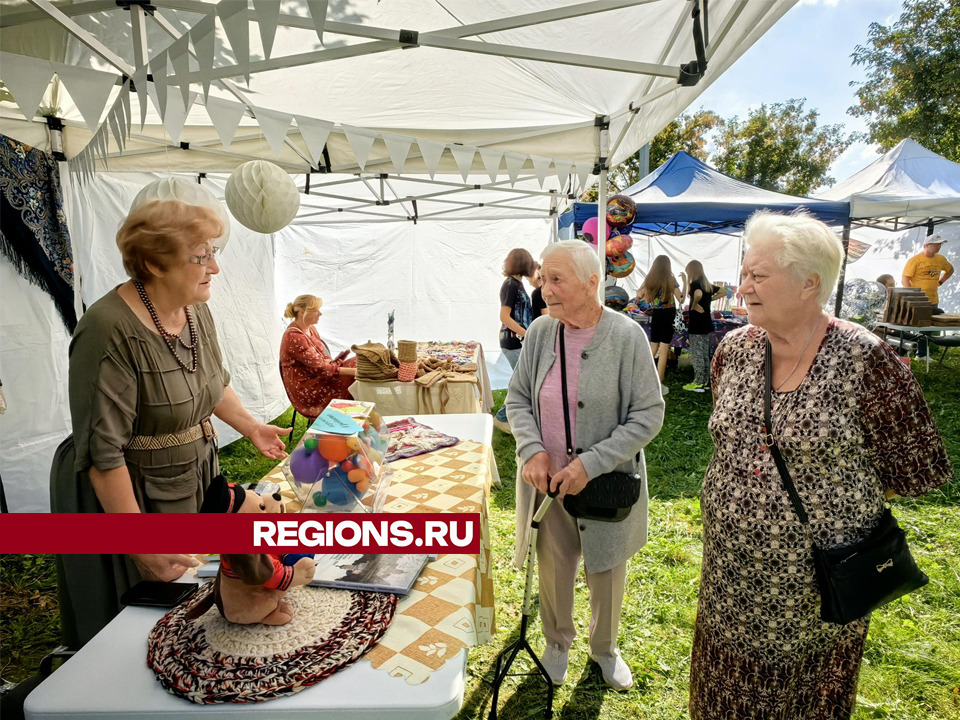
x=319, y=499
x=310, y=443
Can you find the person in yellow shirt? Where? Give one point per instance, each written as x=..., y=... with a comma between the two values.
x=929, y=269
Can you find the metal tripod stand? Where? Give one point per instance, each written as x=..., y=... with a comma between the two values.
x=509, y=654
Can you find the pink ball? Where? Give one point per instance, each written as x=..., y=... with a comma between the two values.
x=590, y=230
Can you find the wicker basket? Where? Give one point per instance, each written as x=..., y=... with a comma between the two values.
x=407, y=351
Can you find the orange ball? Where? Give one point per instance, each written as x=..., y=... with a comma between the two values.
x=333, y=448
x=357, y=476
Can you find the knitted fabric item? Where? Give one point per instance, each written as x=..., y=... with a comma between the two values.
x=210, y=660
x=408, y=372
x=407, y=351
x=374, y=362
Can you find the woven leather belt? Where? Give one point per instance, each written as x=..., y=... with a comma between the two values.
x=160, y=442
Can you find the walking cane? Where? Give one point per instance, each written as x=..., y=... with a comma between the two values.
x=509, y=654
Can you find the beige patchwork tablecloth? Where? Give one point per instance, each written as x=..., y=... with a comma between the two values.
x=452, y=604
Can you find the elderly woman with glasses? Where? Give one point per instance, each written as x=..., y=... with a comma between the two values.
x=146, y=374
x=853, y=427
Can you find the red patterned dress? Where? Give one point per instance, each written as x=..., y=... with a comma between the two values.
x=311, y=377
x=857, y=424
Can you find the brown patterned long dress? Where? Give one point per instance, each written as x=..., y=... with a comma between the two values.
x=857, y=424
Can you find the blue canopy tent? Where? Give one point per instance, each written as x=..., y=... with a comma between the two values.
x=685, y=196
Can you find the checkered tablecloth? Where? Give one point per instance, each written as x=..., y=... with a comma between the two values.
x=452, y=605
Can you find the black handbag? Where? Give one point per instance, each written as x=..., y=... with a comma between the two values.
x=857, y=579
x=608, y=497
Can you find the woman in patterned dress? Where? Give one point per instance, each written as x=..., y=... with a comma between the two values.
x=311, y=377
x=854, y=429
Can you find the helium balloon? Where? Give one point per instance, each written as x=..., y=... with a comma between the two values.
x=623, y=268
x=861, y=301
x=621, y=210
x=333, y=448
x=589, y=230
x=618, y=245
x=615, y=297
x=308, y=466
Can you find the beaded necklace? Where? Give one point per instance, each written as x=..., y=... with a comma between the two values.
x=171, y=339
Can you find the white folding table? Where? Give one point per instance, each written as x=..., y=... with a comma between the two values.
x=108, y=679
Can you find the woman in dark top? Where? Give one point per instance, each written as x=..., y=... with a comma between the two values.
x=516, y=314
x=661, y=291
x=700, y=291
x=536, y=297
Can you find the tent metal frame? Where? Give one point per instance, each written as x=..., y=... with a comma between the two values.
x=377, y=39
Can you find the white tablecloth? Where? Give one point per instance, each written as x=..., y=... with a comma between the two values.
x=109, y=678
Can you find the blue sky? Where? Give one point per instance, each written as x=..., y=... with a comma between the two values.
x=806, y=54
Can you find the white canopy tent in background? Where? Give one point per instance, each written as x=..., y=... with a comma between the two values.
x=431, y=153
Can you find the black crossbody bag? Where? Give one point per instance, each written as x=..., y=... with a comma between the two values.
x=857, y=579
x=608, y=497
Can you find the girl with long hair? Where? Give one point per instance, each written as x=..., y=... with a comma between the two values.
x=661, y=290
x=700, y=291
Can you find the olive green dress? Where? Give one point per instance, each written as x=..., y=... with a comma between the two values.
x=124, y=381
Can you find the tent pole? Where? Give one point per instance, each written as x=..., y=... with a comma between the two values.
x=603, y=123
x=843, y=269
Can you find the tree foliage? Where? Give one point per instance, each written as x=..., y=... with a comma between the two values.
x=780, y=147
x=912, y=88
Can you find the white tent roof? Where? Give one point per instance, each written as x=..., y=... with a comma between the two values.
x=908, y=183
x=479, y=74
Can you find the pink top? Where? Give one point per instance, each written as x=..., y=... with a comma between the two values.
x=551, y=398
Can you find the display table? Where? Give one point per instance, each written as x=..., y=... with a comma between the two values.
x=884, y=327
x=445, y=396
x=109, y=678
x=681, y=341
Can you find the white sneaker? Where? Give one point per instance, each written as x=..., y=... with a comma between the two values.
x=664, y=390
x=502, y=425
x=555, y=660
x=615, y=671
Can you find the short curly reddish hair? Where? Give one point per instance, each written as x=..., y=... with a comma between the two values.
x=156, y=232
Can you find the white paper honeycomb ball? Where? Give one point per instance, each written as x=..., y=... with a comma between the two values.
x=262, y=197
x=187, y=191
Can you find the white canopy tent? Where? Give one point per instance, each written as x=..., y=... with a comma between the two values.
x=424, y=155
x=905, y=187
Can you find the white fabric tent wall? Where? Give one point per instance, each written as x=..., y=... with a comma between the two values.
x=442, y=278
x=33, y=360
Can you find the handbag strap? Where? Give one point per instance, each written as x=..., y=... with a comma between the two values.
x=563, y=392
x=769, y=440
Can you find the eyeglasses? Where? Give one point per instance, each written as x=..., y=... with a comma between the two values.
x=204, y=259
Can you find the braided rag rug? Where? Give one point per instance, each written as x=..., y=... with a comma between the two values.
x=210, y=660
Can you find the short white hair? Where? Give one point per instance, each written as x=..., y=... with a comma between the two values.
x=583, y=256
x=808, y=247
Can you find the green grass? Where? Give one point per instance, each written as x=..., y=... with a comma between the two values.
x=911, y=667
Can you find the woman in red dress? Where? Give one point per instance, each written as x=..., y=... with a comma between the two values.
x=310, y=375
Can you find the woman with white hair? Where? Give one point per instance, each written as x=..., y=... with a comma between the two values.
x=853, y=428
x=614, y=409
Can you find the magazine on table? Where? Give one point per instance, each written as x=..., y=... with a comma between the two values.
x=394, y=574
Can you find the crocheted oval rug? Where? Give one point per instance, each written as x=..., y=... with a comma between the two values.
x=210, y=660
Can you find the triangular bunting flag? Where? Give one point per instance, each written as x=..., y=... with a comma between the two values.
x=563, y=168
x=158, y=68
x=541, y=166
x=398, y=146
x=27, y=79
x=491, y=162
x=431, y=152
x=233, y=17
x=274, y=127
x=314, y=134
x=89, y=90
x=318, y=11
x=203, y=35
x=583, y=174
x=514, y=165
x=140, y=85
x=268, y=15
x=101, y=138
x=225, y=116
x=127, y=119
x=176, y=115
x=179, y=54
x=463, y=154
x=115, y=129
x=361, y=140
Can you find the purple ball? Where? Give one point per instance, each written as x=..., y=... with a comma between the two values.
x=308, y=466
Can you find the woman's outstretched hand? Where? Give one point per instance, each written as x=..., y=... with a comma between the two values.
x=266, y=438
